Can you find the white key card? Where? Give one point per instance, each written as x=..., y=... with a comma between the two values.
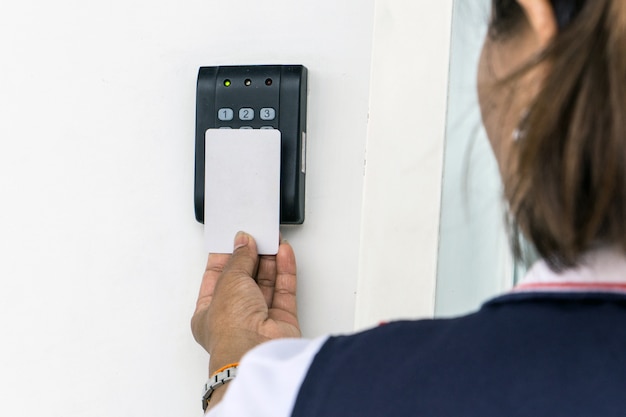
x=242, y=188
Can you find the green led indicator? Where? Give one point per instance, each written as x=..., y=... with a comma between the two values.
x=227, y=83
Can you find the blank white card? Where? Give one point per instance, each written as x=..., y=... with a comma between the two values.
x=242, y=188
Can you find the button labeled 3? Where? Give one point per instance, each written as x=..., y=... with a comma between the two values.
x=268, y=113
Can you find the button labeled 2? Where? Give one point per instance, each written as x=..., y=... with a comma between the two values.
x=246, y=114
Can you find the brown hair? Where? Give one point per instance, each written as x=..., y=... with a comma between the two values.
x=568, y=193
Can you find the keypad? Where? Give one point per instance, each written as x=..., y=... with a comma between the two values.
x=267, y=115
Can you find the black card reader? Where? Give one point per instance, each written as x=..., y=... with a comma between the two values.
x=256, y=97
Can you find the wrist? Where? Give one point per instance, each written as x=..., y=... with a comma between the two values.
x=230, y=348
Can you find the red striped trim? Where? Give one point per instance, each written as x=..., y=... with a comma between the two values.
x=572, y=286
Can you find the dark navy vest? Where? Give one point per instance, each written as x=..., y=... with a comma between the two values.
x=530, y=355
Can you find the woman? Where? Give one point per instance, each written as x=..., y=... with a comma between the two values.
x=552, y=91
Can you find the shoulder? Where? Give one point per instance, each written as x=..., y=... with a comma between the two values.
x=489, y=361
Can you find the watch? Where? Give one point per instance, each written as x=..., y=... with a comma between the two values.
x=219, y=378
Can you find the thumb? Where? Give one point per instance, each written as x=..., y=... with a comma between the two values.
x=244, y=260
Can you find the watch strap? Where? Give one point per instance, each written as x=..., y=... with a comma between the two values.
x=219, y=378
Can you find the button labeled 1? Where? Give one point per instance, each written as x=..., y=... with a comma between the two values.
x=225, y=114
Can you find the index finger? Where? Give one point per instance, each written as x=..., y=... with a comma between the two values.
x=284, y=305
x=214, y=267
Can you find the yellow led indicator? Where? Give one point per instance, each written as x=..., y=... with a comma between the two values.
x=226, y=83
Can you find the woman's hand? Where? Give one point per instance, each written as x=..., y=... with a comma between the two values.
x=245, y=299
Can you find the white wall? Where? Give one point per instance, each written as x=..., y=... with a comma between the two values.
x=101, y=257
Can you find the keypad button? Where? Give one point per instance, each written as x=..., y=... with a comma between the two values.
x=246, y=114
x=225, y=127
x=246, y=127
x=267, y=128
x=268, y=113
x=225, y=114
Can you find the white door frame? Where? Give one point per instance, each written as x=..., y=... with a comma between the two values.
x=404, y=160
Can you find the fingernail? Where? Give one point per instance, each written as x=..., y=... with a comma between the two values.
x=241, y=240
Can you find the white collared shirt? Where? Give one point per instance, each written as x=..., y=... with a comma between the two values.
x=268, y=379
x=601, y=270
